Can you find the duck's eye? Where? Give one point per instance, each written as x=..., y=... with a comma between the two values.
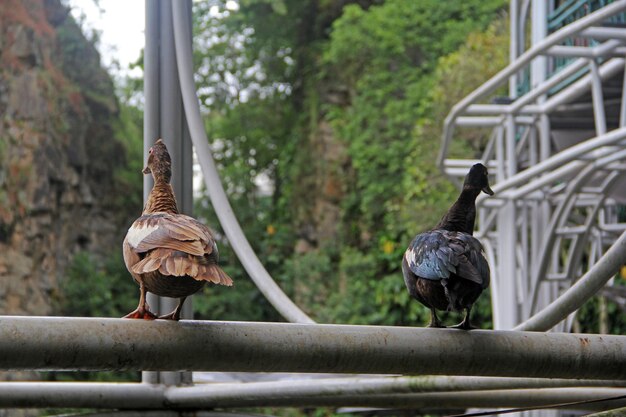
x=150, y=151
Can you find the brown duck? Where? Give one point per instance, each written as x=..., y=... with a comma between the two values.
x=167, y=253
x=445, y=268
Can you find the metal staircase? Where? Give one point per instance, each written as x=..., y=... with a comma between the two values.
x=557, y=152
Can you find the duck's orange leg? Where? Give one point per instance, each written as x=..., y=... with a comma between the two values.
x=143, y=310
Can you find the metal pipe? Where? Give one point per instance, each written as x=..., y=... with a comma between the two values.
x=538, y=33
x=602, y=33
x=514, y=42
x=547, y=85
x=488, y=399
x=622, y=107
x=220, y=395
x=572, y=299
x=365, y=392
x=167, y=413
x=504, y=398
x=478, y=121
x=171, y=119
x=81, y=395
x=63, y=343
x=220, y=202
x=597, y=98
x=151, y=95
x=580, y=87
x=611, y=47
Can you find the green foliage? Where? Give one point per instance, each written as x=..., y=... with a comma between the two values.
x=388, y=54
x=128, y=178
x=272, y=73
x=95, y=288
x=456, y=75
x=588, y=317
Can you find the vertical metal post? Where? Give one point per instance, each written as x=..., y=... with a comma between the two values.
x=514, y=39
x=506, y=309
x=164, y=119
x=539, y=31
x=622, y=112
x=598, y=98
x=151, y=119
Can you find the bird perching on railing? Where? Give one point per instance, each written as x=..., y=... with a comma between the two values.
x=445, y=268
x=167, y=253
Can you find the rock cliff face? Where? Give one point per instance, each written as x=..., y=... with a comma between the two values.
x=58, y=153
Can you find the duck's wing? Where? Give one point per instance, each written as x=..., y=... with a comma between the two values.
x=175, y=245
x=171, y=231
x=475, y=255
x=437, y=254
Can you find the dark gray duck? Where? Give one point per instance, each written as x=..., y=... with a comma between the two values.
x=445, y=268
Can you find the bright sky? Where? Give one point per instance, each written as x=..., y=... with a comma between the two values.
x=121, y=24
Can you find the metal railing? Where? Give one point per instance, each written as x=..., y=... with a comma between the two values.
x=115, y=344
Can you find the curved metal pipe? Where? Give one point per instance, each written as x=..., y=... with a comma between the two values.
x=224, y=211
x=557, y=218
x=575, y=297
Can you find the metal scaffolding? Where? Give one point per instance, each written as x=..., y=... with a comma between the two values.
x=554, y=219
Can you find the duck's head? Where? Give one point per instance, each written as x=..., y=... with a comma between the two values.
x=478, y=178
x=159, y=162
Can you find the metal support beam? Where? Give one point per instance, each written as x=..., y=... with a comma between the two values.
x=63, y=343
x=146, y=397
x=290, y=392
x=438, y=400
x=514, y=40
x=164, y=119
x=598, y=98
x=151, y=124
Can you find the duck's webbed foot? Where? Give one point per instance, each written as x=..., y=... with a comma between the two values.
x=434, y=320
x=141, y=313
x=465, y=324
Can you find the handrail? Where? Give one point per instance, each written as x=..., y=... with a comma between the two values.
x=560, y=162
x=219, y=199
x=502, y=77
x=382, y=392
x=72, y=343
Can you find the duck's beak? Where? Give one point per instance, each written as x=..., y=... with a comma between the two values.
x=146, y=171
x=488, y=190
